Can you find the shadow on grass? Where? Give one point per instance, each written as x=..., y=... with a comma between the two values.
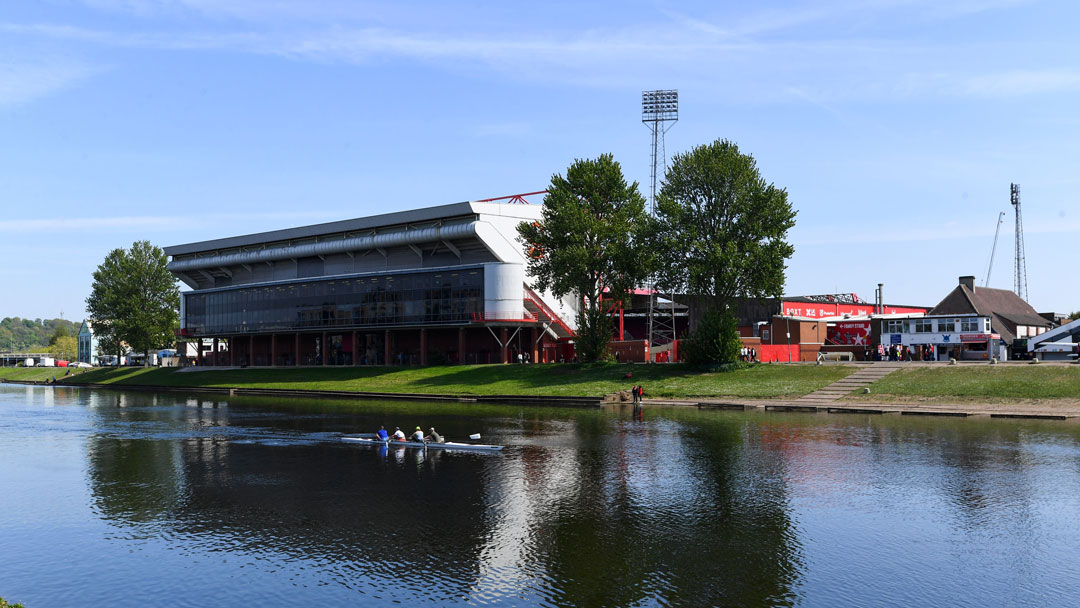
x=539, y=376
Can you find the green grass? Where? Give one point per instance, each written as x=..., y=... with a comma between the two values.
x=33, y=373
x=761, y=381
x=997, y=382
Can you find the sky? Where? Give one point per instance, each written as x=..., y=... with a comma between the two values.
x=896, y=126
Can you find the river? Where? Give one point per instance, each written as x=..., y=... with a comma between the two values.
x=133, y=499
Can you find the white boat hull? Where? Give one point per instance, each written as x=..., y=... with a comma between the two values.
x=449, y=445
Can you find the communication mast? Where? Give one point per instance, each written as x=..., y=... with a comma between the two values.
x=1020, y=274
x=659, y=112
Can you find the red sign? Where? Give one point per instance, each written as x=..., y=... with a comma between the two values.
x=818, y=311
x=974, y=337
x=854, y=333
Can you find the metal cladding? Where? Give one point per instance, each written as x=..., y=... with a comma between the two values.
x=356, y=243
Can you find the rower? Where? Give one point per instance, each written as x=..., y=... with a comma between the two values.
x=417, y=436
x=398, y=435
x=433, y=437
x=382, y=434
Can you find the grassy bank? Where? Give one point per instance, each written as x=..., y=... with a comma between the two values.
x=984, y=382
x=761, y=381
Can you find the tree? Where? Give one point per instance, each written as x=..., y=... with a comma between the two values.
x=722, y=229
x=59, y=332
x=1074, y=316
x=134, y=299
x=587, y=243
x=64, y=347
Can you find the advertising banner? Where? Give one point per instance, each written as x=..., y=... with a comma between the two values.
x=849, y=333
x=822, y=310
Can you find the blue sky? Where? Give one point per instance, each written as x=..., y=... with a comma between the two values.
x=895, y=125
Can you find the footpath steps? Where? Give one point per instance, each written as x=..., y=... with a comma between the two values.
x=860, y=379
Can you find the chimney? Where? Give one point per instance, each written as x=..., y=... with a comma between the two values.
x=968, y=282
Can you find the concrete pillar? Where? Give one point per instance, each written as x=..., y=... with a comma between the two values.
x=273, y=350
x=355, y=348
x=535, y=351
x=325, y=350
x=423, y=346
x=296, y=351
x=202, y=358
x=251, y=350
x=214, y=353
x=387, y=360
x=504, y=338
x=461, y=345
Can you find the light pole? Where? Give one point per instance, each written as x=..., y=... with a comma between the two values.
x=787, y=321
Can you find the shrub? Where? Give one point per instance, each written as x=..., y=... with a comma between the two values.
x=715, y=342
x=593, y=336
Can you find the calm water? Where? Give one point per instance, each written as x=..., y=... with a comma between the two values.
x=129, y=499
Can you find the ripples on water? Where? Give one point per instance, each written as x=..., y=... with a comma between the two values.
x=129, y=499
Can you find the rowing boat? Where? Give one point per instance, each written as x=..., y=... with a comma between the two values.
x=449, y=445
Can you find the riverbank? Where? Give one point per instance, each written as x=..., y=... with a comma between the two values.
x=566, y=380
x=1006, y=390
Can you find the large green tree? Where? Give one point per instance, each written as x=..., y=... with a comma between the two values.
x=135, y=299
x=721, y=227
x=588, y=243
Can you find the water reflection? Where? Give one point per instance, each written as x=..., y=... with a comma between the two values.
x=585, y=507
x=607, y=513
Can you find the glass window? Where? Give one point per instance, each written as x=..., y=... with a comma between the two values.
x=894, y=327
x=946, y=326
x=923, y=326
x=364, y=301
x=972, y=324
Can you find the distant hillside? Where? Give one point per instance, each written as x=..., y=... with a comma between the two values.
x=21, y=335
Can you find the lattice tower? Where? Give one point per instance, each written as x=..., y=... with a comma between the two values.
x=1020, y=273
x=659, y=112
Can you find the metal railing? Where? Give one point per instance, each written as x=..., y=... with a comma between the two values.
x=517, y=315
x=531, y=296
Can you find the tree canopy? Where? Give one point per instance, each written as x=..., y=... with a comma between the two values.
x=33, y=335
x=587, y=243
x=65, y=347
x=135, y=299
x=722, y=229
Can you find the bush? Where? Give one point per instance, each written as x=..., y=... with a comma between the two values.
x=593, y=336
x=4, y=604
x=715, y=342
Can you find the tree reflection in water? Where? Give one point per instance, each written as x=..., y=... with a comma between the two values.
x=584, y=508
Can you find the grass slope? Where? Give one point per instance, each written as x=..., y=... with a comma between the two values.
x=981, y=382
x=759, y=381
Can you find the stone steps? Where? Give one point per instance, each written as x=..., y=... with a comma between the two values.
x=844, y=386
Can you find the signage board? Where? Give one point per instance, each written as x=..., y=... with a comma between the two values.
x=821, y=310
x=894, y=338
x=849, y=333
x=974, y=337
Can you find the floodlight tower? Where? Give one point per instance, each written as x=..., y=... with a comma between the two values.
x=659, y=112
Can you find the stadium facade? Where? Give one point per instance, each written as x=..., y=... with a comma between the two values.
x=444, y=284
